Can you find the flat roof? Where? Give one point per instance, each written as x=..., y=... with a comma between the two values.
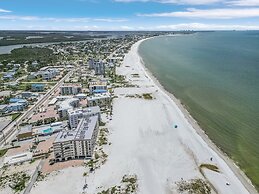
x=71, y=85
x=5, y=93
x=84, y=131
x=67, y=103
x=22, y=157
x=98, y=96
x=53, y=101
x=25, y=129
x=92, y=109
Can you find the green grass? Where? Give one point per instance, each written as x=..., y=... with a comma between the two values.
x=2, y=152
x=15, y=116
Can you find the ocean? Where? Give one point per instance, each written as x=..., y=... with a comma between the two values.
x=216, y=76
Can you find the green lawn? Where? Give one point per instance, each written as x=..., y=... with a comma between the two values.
x=2, y=152
x=15, y=116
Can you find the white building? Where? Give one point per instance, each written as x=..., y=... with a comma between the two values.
x=49, y=73
x=79, y=143
x=103, y=99
x=65, y=105
x=18, y=158
x=75, y=115
x=70, y=89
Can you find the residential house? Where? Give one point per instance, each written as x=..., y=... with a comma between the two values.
x=37, y=87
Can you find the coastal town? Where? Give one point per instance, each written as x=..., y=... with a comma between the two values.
x=88, y=117
x=54, y=117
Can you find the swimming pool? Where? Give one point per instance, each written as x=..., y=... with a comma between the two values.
x=47, y=131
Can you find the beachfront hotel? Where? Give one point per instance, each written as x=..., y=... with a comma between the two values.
x=78, y=143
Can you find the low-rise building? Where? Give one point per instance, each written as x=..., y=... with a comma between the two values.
x=70, y=89
x=97, y=87
x=79, y=143
x=37, y=87
x=101, y=100
x=18, y=158
x=16, y=107
x=9, y=75
x=4, y=109
x=4, y=94
x=49, y=73
x=17, y=104
x=27, y=95
x=24, y=133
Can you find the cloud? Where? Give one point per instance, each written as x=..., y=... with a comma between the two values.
x=109, y=20
x=167, y=27
x=53, y=19
x=243, y=2
x=13, y=17
x=4, y=11
x=181, y=2
x=223, y=13
x=201, y=26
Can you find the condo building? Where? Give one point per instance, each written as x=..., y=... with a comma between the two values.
x=78, y=143
x=70, y=89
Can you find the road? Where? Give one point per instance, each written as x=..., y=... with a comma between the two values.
x=10, y=130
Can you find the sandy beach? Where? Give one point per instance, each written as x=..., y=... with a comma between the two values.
x=145, y=142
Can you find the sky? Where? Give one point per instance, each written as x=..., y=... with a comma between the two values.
x=129, y=15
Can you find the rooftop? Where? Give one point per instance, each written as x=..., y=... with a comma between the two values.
x=93, y=109
x=25, y=129
x=71, y=85
x=99, y=96
x=67, y=103
x=84, y=131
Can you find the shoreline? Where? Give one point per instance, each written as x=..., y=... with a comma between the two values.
x=242, y=177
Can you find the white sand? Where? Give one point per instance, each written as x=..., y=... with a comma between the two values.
x=145, y=143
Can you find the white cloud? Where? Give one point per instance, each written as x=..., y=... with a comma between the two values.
x=189, y=2
x=169, y=27
x=109, y=20
x=223, y=13
x=4, y=11
x=201, y=26
x=13, y=17
x=52, y=19
x=243, y=2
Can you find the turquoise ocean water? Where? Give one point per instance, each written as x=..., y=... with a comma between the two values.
x=216, y=76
